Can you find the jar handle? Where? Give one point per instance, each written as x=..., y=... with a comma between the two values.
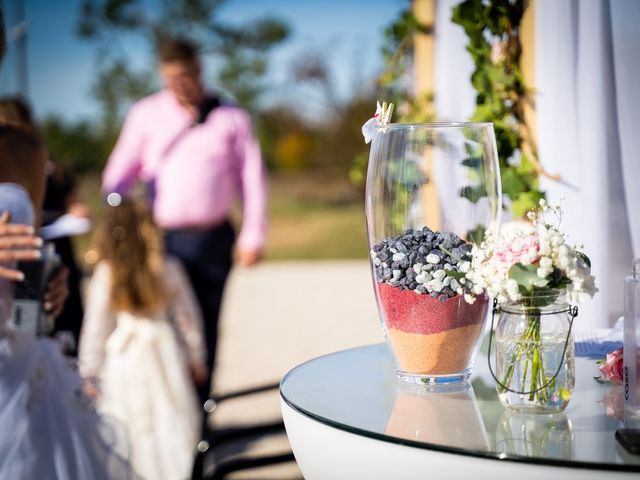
x=573, y=312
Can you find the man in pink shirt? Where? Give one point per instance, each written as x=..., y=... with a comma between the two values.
x=197, y=156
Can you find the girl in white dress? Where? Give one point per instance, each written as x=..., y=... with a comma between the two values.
x=49, y=428
x=142, y=341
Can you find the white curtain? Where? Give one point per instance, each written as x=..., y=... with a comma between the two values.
x=455, y=98
x=454, y=101
x=586, y=54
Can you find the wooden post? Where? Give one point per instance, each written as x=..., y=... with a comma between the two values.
x=424, y=48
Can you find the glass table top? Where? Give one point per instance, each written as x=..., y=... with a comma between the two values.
x=356, y=390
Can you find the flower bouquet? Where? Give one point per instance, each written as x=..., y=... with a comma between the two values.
x=533, y=273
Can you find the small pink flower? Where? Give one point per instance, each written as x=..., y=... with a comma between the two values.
x=517, y=251
x=611, y=368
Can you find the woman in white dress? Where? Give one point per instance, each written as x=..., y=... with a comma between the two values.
x=142, y=342
x=49, y=427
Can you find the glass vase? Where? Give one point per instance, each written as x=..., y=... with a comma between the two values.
x=535, y=353
x=432, y=191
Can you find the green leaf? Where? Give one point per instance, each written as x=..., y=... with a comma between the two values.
x=454, y=274
x=525, y=202
x=585, y=259
x=527, y=276
x=526, y=167
x=512, y=183
x=472, y=162
x=473, y=194
x=476, y=235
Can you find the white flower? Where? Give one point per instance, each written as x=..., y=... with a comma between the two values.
x=546, y=262
x=540, y=244
x=369, y=127
x=512, y=288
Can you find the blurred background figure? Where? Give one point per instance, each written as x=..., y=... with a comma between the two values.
x=142, y=342
x=60, y=198
x=61, y=202
x=196, y=157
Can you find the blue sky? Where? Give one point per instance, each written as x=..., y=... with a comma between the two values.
x=61, y=65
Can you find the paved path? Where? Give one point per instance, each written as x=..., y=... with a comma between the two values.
x=280, y=314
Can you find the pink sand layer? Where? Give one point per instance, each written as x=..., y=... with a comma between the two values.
x=410, y=312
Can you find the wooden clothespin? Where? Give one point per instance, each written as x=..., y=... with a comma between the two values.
x=387, y=112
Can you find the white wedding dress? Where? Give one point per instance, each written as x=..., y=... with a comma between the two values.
x=48, y=427
x=141, y=363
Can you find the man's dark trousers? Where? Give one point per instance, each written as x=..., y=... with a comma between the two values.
x=207, y=257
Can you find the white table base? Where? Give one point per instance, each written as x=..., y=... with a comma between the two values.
x=327, y=453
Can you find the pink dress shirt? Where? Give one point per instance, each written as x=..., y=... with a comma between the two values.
x=199, y=170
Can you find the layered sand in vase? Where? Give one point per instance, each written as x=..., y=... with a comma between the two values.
x=430, y=337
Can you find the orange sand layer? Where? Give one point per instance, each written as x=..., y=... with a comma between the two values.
x=441, y=353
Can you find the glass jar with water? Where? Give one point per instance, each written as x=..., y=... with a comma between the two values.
x=534, y=353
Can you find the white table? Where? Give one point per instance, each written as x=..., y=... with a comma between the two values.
x=347, y=417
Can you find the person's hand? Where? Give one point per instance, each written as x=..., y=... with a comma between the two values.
x=79, y=209
x=246, y=257
x=17, y=243
x=199, y=373
x=57, y=292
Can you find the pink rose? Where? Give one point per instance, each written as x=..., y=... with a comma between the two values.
x=516, y=251
x=611, y=368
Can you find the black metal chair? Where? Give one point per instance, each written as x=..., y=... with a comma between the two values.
x=214, y=438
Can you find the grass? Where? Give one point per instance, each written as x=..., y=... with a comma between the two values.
x=309, y=218
x=316, y=231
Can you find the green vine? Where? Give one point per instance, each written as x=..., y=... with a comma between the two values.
x=493, y=30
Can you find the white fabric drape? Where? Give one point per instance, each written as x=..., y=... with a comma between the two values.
x=455, y=98
x=580, y=135
x=625, y=17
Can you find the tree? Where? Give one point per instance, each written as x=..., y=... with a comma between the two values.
x=337, y=124
x=76, y=145
x=243, y=48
